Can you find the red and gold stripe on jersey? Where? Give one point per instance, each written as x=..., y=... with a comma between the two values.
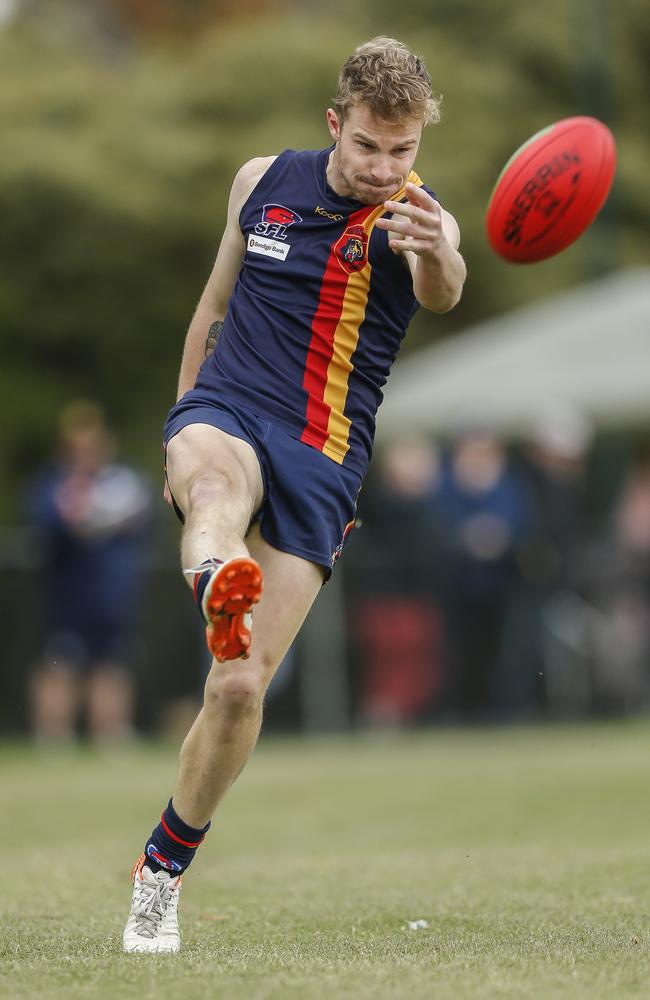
x=335, y=331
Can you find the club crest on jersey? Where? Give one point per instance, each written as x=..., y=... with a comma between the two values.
x=352, y=249
x=276, y=219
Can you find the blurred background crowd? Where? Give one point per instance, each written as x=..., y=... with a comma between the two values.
x=501, y=567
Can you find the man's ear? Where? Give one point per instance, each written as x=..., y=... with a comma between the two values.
x=333, y=124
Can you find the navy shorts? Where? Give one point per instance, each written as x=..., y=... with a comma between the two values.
x=85, y=645
x=309, y=504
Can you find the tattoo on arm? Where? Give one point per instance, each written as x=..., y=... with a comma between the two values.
x=213, y=335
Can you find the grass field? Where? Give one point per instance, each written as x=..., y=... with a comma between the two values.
x=526, y=850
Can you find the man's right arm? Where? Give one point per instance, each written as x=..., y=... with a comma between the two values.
x=210, y=312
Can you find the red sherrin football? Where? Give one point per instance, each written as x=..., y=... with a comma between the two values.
x=551, y=189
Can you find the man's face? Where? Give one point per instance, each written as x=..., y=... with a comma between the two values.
x=373, y=157
x=87, y=449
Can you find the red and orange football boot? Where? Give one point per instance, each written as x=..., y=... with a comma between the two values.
x=227, y=604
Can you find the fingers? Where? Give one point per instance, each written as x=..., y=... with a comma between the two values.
x=416, y=224
x=412, y=243
x=418, y=196
x=420, y=211
x=167, y=493
x=411, y=226
x=427, y=213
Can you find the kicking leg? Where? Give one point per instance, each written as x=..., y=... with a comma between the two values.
x=216, y=480
x=226, y=729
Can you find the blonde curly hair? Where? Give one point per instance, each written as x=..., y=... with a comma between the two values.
x=390, y=80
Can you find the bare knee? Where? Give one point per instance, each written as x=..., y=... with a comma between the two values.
x=210, y=488
x=206, y=466
x=234, y=690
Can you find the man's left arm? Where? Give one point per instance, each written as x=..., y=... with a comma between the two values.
x=428, y=236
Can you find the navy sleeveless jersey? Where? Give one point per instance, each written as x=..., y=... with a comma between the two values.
x=318, y=312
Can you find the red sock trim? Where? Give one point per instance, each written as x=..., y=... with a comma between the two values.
x=170, y=833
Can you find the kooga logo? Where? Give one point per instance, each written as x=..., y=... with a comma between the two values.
x=328, y=215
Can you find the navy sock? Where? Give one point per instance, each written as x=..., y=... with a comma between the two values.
x=201, y=580
x=172, y=844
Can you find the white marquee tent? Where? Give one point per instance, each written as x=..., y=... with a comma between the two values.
x=588, y=348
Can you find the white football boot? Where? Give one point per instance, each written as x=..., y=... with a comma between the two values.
x=152, y=926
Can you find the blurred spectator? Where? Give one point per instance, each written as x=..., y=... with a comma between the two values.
x=620, y=593
x=546, y=656
x=92, y=514
x=557, y=463
x=398, y=621
x=486, y=510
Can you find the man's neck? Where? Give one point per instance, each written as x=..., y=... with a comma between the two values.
x=335, y=178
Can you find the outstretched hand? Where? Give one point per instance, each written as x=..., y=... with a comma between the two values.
x=416, y=224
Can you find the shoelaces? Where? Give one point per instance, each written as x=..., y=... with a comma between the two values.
x=151, y=907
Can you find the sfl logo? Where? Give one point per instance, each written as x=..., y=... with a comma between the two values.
x=276, y=219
